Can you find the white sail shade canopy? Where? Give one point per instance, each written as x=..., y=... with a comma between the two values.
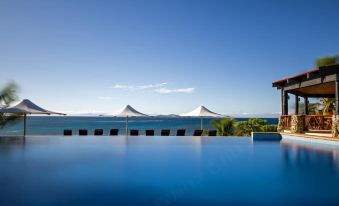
x=201, y=111
x=26, y=107
x=128, y=111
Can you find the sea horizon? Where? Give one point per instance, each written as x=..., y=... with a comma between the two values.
x=55, y=125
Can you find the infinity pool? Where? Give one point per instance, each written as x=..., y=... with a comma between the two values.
x=165, y=171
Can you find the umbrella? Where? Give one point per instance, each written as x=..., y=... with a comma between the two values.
x=201, y=112
x=128, y=111
x=26, y=107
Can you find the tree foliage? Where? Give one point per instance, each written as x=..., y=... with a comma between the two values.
x=328, y=104
x=8, y=95
x=245, y=128
x=229, y=127
x=224, y=127
x=327, y=61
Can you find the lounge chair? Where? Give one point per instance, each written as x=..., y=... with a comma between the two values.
x=134, y=132
x=149, y=132
x=212, y=133
x=197, y=132
x=67, y=132
x=181, y=132
x=83, y=132
x=165, y=132
x=98, y=132
x=114, y=132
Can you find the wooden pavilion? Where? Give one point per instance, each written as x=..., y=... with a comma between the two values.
x=318, y=83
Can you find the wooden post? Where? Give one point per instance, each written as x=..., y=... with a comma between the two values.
x=282, y=101
x=126, y=125
x=296, y=110
x=306, y=105
x=337, y=96
x=25, y=124
x=285, y=103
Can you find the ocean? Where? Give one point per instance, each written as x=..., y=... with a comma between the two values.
x=54, y=125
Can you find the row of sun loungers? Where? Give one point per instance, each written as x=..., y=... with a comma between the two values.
x=135, y=132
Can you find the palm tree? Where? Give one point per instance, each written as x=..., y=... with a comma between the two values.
x=328, y=105
x=7, y=96
x=224, y=127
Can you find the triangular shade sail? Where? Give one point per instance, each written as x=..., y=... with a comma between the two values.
x=201, y=111
x=26, y=107
x=128, y=111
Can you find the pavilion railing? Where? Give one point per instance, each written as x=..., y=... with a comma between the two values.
x=311, y=122
x=318, y=122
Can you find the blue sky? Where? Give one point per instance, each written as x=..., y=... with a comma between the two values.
x=159, y=56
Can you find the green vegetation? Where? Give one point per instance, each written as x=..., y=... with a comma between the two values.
x=269, y=128
x=327, y=61
x=7, y=96
x=224, y=127
x=328, y=104
x=229, y=127
x=324, y=106
x=245, y=128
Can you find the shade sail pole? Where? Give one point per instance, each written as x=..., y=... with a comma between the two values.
x=201, y=123
x=25, y=124
x=126, y=125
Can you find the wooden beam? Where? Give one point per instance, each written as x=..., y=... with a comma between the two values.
x=310, y=82
x=337, y=97
x=282, y=102
x=306, y=105
x=301, y=94
x=296, y=110
x=285, y=103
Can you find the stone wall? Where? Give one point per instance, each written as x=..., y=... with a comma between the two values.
x=297, y=124
x=280, y=125
x=335, y=126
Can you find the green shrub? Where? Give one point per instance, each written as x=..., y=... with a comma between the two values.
x=245, y=128
x=269, y=128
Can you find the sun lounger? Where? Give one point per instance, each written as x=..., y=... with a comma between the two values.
x=212, y=133
x=98, y=132
x=114, y=132
x=83, y=132
x=197, y=132
x=181, y=132
x=134, y=132
x=67, y=132
x=165, y=132
x=150, y=132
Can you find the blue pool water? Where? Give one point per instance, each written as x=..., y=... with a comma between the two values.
x=54, y=125
x=165, y=171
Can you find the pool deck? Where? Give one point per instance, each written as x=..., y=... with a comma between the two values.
x=323, y=138
x=311, y=137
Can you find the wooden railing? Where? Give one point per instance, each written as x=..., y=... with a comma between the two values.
x=311, y=122
x=318, y=122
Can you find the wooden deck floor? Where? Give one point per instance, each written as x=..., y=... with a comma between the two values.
x=313, y=135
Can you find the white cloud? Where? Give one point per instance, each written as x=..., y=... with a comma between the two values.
x=140, y=87
x=169, y=91
x=158, y=88
x=121, y=86
x=105, y=98
x=151, y=86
